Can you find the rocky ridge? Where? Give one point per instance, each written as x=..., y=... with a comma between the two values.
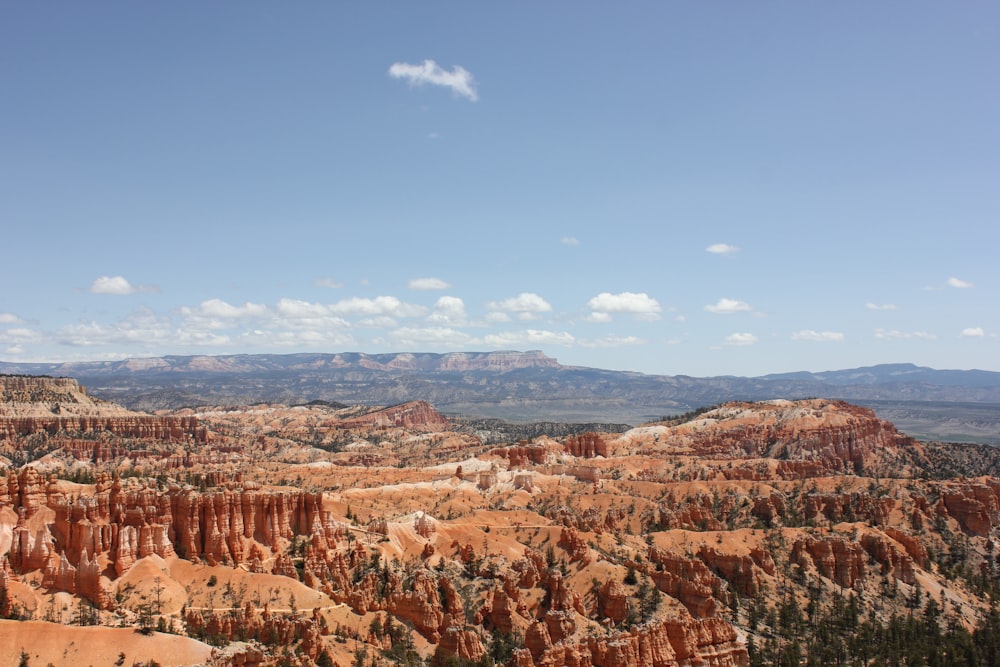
x=336, y=531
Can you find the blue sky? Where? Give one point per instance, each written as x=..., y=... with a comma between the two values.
x=677, y=188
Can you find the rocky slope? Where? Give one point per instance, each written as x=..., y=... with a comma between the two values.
x=325, y=535
x=529, y=386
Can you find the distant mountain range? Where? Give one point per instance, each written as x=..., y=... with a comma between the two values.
x=530, y=386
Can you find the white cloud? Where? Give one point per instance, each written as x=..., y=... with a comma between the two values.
x=14, y=350
x=380, y=305
x=722, y=249
x=726, y=306
x=527, y=305
x=612, y=341
x=959, y=283
x=329, y=283
x=202, y=338
x=216, y=314
x=528, y=338
x=20, y=335
x=219, y=309
x=497, y=317
x=436, y=336
x=741, y=339
x=973, y=332
x=894, y=334
x=880, y=306
x=639, y=304
x=143, y=328
x=428, y=284
x=294, y=308
x=10, y=318
x=449, y=311
x=600, y=318
x=286, y=339
x=379, y=322
x=569, y=240
x=459, y=79
x=306, y=316
x=117, y=285
x=818, y=336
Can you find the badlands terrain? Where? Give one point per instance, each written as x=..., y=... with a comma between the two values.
x=775, y=532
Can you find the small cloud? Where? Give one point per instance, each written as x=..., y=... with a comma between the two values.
x=380, y=305
x=612, y=341
x=435, y=336
x=428, y=284
x=497, y=317
x=599, y=318
x=973, y=332
x=433, y=135
x=880, y=306
x=894, y=334
x=639, y=304
x=117, y=285
x=529, y=338
x=10, y=318
x=818, y=336
x=377, y=322
x=569, y=240
x=741, y=339
x=959, y=283
x=459, y=79
x=722, y=249
x=19, y=335
x=329, y=283
x=297, y=309
x=449, y=311
x=527, y=305
x=14, y=350
x=217, y=308
x=726, y=306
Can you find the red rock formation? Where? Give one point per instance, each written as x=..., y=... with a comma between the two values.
x=837, y=436
x=894, y=561
x=421, y=605
x=570, y=540
x=59, y=405
x=741, y=572
x=708, y=642
x=975, y=505
x=688, y=580
x=586, y=445
x=124, y=524
x=613, y=601
x=521, y=455
x=503, y=608
x=913, y=546
x=462, y=642
x=415, y=415
x=834, y=557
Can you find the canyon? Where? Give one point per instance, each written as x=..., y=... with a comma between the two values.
x=322, y=533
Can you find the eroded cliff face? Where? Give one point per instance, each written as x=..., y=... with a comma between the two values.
x=59, y=406
x=415, y=415
x=808, y=438
x=660, y=547
x=70, y=537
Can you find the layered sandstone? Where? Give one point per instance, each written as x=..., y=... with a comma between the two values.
x=59, y=405
x=831, y=436
x=415, y=415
